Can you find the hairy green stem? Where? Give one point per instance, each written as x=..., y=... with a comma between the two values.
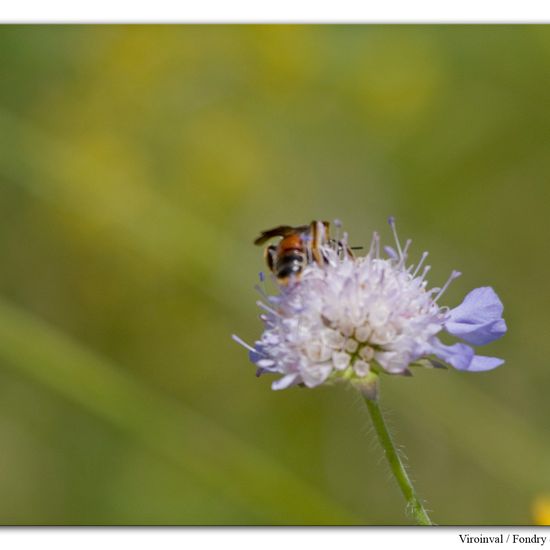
x=396, y=466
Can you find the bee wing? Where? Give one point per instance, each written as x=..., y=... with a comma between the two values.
x=279, y=231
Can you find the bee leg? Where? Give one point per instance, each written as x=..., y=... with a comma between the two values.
x=319, y=232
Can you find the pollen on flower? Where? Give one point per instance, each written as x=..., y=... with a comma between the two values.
x=348, y=316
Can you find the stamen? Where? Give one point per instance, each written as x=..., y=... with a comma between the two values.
x=338, y=225
x=259, y=303
x=261, y=292
x=319, y=235
x=344, y=243
x=424, y=256
x=425, y=272
x=453, y=276
x=391, y=221
x=243, y=343
x=321, y=232
x=375, y=245
x=405, y=250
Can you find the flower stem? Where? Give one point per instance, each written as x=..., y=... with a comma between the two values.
x=396, y=466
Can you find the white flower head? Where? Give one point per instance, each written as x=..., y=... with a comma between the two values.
x=352, y=316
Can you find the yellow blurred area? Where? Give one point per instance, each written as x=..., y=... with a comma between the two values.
x=398, y=92
x=541, y=511
x=137, y=165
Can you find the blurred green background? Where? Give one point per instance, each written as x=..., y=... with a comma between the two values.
x=137, y=164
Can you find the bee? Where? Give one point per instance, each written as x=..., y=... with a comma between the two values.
x=298, y=247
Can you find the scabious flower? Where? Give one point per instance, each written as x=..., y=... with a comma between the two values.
x=356, y=316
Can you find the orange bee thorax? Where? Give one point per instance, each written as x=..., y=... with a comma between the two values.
x=292, y=242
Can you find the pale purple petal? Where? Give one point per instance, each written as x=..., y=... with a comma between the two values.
x=478, y=319
x=265, y=363
x=458, y=355
x=390, y=251
x=392, y=361
x=315, y=375
x=462, y=357
x=481, y=362
x=255, y=356
x=284, y=382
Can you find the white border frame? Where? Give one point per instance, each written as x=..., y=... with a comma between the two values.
x=288, y=11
